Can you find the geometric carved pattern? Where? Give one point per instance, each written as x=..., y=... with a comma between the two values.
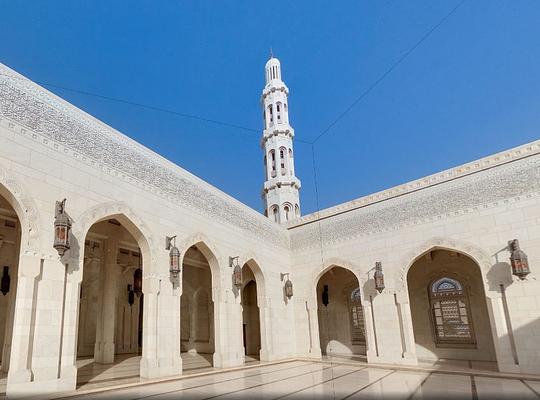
x=32, y=107
x=450, y=312
x=518, y=178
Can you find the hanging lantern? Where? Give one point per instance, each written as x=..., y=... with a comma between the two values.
x=131, y=295
x=5, y=282
x=137, y=282
x=288, y=288
x=237, y=271
x=518, y=260
x=378, y=276
x=62, y=227
x=174, y=256
x=324, y=296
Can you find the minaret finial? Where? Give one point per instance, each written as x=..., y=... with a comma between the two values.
x=271, y=52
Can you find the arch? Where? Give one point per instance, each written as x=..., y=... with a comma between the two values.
x=272, y=158
x=129, y=220
x=336, y=262
x=288, y=211
x=270, y=115
x=20, y=200
x=260, y=280
x=341, y=325
x=480, y=257
x=446, y=296
x=279, y=110
x=283, y=160
x=274, y=211
x=210, y=252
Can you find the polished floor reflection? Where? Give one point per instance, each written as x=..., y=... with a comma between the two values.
x=306, y=379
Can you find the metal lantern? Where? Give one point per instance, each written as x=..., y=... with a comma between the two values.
x=325, y=295
x=131, y=295
x=5, y=282
x=237, y=272
x=378, y=276
x=174, y=256
x=518, y=260
x=137, y=282
x=288, y=288
x=62, y=227
x=288, y=285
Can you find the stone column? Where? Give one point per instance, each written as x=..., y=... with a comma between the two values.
x=313, y=329
x=406, y=326
x=505, y=351
x=265, y=328
x=386, y=331
x=227, y=329
x=193, y=316
x=104, y=348
x=23, y=321
x=68, y=354
x=149, y=362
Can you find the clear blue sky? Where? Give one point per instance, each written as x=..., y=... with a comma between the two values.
x=471, y=89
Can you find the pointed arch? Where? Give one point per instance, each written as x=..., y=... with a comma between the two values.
x=332, y=262
x=129, y=220
x=479, y=256
x=260, y=279
x=210, y=252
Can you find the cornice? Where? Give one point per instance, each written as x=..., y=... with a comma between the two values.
x=498, y=159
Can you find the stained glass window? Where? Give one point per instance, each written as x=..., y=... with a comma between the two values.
x=358, y=333
x=451, y=312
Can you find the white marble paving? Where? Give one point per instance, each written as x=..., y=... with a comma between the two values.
x=489, y=388
x=313, y=380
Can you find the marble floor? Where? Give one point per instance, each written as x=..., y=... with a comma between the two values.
x=308, y=379
x=125, y=370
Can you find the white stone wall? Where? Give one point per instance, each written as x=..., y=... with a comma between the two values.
x=475, y=214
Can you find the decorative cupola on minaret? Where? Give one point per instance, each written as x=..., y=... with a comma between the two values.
x=281, y=187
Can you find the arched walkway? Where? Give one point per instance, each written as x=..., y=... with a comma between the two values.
x=340, y=313
x=197, y=327
x=109, y=337
x=251, y=314
x=448, y=308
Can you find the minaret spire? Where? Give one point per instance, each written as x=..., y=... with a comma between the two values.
x=281, y=187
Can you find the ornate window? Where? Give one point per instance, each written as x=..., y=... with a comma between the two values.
x=358, y=331
x=275, y=212
x=282, y=153
x=287, y=210
x=278, y=112
x=451, y=313
x=273, y=163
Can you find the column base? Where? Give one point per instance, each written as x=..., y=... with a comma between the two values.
x=104, y=353
x=39, y=388
x=160, y=368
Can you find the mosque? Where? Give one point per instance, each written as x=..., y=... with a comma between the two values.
x=112, y=255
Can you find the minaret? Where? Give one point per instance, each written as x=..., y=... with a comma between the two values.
x=281, y=187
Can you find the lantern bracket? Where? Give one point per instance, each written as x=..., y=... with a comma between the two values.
x=170, y=241
x=231, y=261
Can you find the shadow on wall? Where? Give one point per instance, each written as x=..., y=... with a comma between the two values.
x=341, y=319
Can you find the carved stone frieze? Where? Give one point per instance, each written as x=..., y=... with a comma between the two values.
x=518, y=179
x=30, y=106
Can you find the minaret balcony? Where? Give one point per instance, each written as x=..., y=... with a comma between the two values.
x=282, y=181
x=272, y=87
x=277, y=130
